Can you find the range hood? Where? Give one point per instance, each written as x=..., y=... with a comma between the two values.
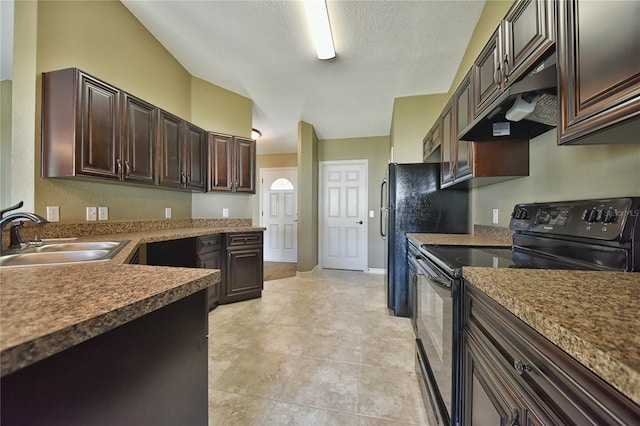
x=524, y=110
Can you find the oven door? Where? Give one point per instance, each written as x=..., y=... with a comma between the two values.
x=436, y=332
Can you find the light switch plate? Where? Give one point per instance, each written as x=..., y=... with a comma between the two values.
x=103, y=213
x=92, y=214
x=53, y=213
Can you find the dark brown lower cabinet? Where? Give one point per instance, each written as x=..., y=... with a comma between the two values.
x=150, y=371
x=210, y=257
x=243, y=271
x=512, y=375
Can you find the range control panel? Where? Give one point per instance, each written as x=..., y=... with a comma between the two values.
x=600, y=219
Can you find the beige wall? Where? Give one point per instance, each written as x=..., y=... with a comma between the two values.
x=412, y=118
x=562, y=173
x=307, y=197
x=5, y=142
x=104, y=39
x=375, y=150
x=219, y=110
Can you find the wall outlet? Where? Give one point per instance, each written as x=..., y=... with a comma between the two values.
x=167, y=213
x=53, y=213
x=103, y=213
x=225, y=212
x=495, y=216
x=92, y=214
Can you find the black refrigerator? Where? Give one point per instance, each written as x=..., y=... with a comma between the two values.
x=411, y=201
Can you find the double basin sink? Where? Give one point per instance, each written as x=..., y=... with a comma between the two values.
x=63, y=252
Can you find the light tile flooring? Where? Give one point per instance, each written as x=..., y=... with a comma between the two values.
x=317, y=349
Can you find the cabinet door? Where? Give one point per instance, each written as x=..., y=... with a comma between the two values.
x=446, y=170
x=463, y=119
x=245, y=163
x=598, y=70
x=243, y=274
x=486, y=399
x=486, y=75
x=528, y=34
x=172, y=154
x=139, y=140
x=220, y=156
x=196, y=156
x=99, y=129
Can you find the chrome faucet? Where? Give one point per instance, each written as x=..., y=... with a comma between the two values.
x=15, y=240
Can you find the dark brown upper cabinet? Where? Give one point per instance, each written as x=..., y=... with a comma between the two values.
x=471, y=164
x=598, y=72
x=232, y=163
x=80, y=126
x=182, y=153
x=139, y=141
x=92, y=129
x=523, y=37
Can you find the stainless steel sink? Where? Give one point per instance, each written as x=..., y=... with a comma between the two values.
x=63, y=253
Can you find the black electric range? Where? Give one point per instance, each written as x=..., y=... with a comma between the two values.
x=599, y=235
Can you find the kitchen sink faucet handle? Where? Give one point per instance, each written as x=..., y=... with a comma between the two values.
x=8, y=209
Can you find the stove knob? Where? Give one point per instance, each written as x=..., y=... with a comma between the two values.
x=609, y=216
x=591, y=216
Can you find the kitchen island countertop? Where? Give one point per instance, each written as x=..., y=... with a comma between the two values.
x=592, y=316
x=49, y=308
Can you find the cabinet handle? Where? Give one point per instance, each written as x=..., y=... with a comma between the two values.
x=182, y=179
x=118, y=167
x=127, y=168
x=505, y=67
x=496, y=74
x=521, y=367
x=514, y=418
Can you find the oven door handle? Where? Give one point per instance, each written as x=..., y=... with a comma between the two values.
x=424, y=269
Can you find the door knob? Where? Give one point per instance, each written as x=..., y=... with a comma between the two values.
x=360, y=222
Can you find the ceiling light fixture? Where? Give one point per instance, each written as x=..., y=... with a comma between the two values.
x=318, y=20
x=255, y=134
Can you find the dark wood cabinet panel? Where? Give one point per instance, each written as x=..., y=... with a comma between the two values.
x=232, y=163
x=80, y=126
x=547, y=386
x=461, y=152
x=209, y=251
x=149, y=371
x=220, y=158
x=447, y=164
x=523, y=38
x=598, y=52
x=196, y=158
x=528, y=35
x=139, y=140
x=171, y=134
x=99, y=128
x=243, y=271
x=486, y=74
x=245, y=165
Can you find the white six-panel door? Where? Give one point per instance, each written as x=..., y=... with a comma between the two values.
x=343, y=214
x=279, y=214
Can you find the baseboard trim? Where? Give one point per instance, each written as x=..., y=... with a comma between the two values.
x=375, y=271
x=306, y=273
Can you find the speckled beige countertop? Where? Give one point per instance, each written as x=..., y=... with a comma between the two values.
x=46, y=309
x=593, y=316
x=456, y=240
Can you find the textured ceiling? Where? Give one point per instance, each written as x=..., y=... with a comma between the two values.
x=263, y=50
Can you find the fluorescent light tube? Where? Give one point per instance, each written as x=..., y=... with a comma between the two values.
x=318, y=20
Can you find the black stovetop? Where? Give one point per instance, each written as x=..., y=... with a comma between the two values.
x=453, y=258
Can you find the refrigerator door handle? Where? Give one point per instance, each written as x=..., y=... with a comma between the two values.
x=383, y=209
